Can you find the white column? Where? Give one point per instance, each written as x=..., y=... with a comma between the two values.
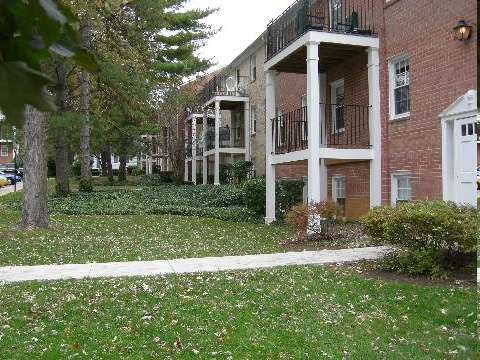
x=204, y=135
x=246, y=117
x=313, y=116
x=194, y=149
x=374, y=123
x=323, y=137
x=185, y=176
x=216, y=174
x=269, y=146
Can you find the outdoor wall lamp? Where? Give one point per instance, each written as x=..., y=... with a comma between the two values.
x=462, y=30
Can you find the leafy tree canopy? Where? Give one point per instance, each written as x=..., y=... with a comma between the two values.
x=30, y=32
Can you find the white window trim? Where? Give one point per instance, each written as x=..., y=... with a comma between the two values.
x=253, y=119
x=334, y=85
x=394, y=175
x=335, y=179
x=253, y=65
x=3, y=150
x=392, y=61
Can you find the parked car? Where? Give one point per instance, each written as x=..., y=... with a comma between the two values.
x=478, y=177
x=12, y=178
x=10, y=169
x=3, y=182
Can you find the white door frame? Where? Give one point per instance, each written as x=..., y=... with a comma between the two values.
x=459, y=152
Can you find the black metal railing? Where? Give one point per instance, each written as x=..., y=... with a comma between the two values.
x=222, y=85
x=228, y=137
x=344, y=16
x=345, y=127
x=290, y=131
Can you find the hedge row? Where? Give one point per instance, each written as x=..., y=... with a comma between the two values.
x=240, y=202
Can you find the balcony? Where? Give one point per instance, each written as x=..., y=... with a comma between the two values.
x=347, y=127
x=225, y=86
x=350, y=17
x=228, y=138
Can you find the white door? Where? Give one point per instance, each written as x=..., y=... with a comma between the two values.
x=466, y=161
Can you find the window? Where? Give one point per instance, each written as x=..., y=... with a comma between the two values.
x=238, y=77
x=399, y=75
x=401, y=187
x=337, y=98
x=253, y=67
x=281, y=125
x=253, y=119
x=3, y=150
x=338, y=191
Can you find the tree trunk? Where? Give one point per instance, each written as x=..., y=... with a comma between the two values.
x=85, y=175
x=61, y=131
x=109, y=168
x=122, y=168
x=34, y=212
x=103, y=159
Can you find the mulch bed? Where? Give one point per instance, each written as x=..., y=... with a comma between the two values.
x=350, y=235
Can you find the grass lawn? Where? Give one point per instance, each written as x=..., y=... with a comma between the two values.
x=102, y=238
x=307, y=312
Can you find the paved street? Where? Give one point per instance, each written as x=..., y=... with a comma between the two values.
x=11, y=188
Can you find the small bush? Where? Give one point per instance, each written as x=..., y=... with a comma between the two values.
x=236, y=172
x=430, y=234
x=135, y=171
x=414, y=262
x=75, y=168
x=426, y=223
x=317, y=217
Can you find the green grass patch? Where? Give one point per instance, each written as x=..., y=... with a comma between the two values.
x=105, y=238
x=281, y=313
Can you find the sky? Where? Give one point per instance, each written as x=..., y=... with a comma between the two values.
x=242, y=21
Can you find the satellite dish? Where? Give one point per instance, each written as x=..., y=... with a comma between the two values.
x=230, y=84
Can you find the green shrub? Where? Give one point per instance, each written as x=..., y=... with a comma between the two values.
x=135, y=171
x=253, y=194
x=429, y=234
x=427, y=223
x=414, y=262
x=287, y=194
x=236, y=172
x=85, y=185
x=75, y=168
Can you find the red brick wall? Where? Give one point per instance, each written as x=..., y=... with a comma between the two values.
x=441, y=70
x=357, y=187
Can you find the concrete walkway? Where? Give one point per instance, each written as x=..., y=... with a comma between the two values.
x=180, y=266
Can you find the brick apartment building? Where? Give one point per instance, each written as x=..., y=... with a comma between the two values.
x=368, y=101
x=397, y=95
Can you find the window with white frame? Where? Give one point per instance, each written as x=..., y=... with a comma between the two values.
x=337, y=98
x=253, y=119
x=3, y=150
x=237, y=76
x=253, y=67
x=401, y=187
x=399, y=80
x=281, y=125
x=339, y=191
